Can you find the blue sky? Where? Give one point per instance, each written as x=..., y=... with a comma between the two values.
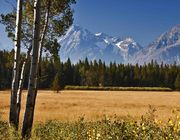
x=144, y=20
x=5, y=42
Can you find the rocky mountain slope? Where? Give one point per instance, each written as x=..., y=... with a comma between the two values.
x=79, y=43
x=165, y=49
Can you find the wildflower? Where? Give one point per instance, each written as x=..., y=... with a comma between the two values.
x=98, y=135
x=156, y=121
x=170, y=122
x=175, y=129
x=143, y=128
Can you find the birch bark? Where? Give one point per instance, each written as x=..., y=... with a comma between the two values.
x=13, y=106
x=21, y=80
x=31, y=97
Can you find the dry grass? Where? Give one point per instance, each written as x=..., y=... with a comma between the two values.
x=69, y=105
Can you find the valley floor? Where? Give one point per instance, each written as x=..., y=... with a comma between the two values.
x=93, y=105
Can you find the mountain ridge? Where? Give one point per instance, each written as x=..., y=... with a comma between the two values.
x=79, y=43
x=166, y=49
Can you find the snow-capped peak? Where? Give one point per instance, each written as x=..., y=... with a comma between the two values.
x=127, y=44
x=129, y=39
x=168, y=38
x=164, y=49
x=98, y=34
x=79, y=43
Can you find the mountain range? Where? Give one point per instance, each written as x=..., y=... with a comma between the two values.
x=79, y=43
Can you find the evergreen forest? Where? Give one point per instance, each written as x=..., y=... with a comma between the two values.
x=96, y=73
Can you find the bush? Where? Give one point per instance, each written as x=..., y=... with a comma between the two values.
x=118, y=88
x=3, y=130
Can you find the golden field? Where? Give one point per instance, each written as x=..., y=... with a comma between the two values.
x=93, y=105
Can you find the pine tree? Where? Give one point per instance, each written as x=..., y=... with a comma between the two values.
x=56, y=83
x=177, y=82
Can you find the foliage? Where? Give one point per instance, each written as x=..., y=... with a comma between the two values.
x=3, y=130
x=60, y=19
x=107, y=129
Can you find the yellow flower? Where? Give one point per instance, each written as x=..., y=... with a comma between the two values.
x=98, y=135
x=175, y=129
x=156, y=121
x=143, y=128
x=170, y=122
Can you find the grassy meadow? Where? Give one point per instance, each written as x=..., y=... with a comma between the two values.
x=93, y=105
x=99, y=115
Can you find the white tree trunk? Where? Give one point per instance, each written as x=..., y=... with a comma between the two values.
x=21, y=80
x=13, y=107
x=31, y=97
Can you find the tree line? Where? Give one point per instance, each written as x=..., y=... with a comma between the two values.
x=56, y=75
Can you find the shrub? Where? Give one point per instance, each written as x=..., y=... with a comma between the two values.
x=118, y=88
